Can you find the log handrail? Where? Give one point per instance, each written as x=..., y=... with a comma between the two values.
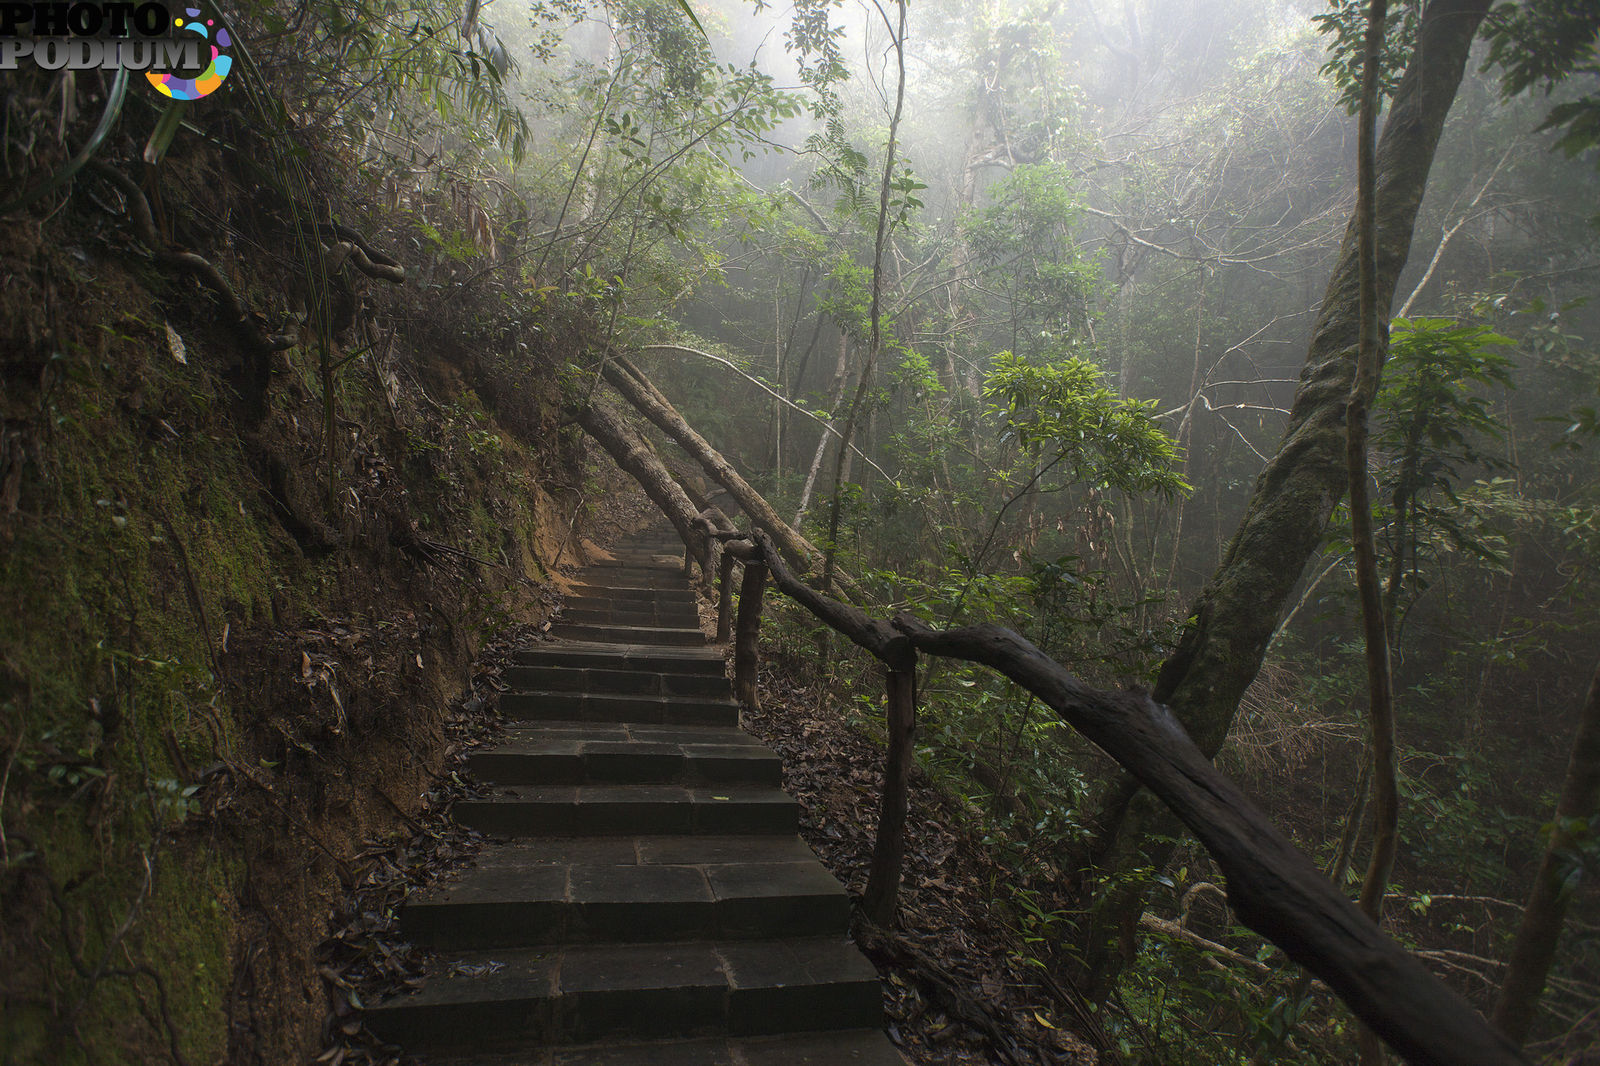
x=1272, y=886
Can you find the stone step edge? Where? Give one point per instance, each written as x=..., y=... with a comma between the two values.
x=522, y=811
x=524, y=979
x=507, y=906
x=576, y=652
x=840, y=1047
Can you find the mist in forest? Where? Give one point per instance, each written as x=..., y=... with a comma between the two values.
x=1127, y=215
x=1075, y=327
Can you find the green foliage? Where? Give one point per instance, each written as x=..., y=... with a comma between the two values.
x=663, y=129
x=676, y=45
x=1432, y=401
x=847, y=296
x=814, y=39
x=1025, y=240
x=1541, y=41
x=1346, y=25
x=1434, y=419
x=1548, y=42
x=1063, y=415
x=1454, y=817
x=399, y=61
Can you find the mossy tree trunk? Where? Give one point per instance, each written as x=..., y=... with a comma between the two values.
x=1233, y=618
x=637, y=389
x=1374, y=629
x=1577, y=811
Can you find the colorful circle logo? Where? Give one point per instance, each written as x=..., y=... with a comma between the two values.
x=209, y=80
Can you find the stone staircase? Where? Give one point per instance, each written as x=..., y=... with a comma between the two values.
x=650, y=903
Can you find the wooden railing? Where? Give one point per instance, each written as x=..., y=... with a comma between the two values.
x=1272, y=886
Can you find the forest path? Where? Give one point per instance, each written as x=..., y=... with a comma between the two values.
x=647, y=899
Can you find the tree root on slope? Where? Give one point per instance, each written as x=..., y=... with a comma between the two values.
x=350, y=248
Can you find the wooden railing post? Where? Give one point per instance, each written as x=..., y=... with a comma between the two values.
x=725, y=597
x=746, y=655
x=888, y=851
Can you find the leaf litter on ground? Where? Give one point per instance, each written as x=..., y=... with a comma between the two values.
x=958, y=989
x=365, y=959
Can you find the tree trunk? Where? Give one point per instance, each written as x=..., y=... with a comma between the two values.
x=839, y=375
x=1374, y=631
x=831, y=547
x=889, y=848
x=1233, y=618
x=1534, y=948
x=1272, y=886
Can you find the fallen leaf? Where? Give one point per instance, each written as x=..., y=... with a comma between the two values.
x=175, y=345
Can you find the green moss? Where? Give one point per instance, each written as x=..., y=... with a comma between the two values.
x=140, y=540
x=108, y=677
x=483, y=531
x=188, y=939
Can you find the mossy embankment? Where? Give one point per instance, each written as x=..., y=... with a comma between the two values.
x=227, y=641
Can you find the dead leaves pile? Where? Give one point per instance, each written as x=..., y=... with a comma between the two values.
x=365, y=959
x=957, y=988
x=349, y=670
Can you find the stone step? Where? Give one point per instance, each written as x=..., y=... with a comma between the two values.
x=624, y=657
x=586, y=596
x=642, y=709
x=627, y=634
x=637, y=577
x=535, y=679
x=578, y=994
x=616, y=889
x=628, y=598
x=595, y=611
x=670, y=583
x=610, y=752
x=679, y=592
x=668, y=562
x=855, y=1047
x=648, y=901
x=613, y=810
